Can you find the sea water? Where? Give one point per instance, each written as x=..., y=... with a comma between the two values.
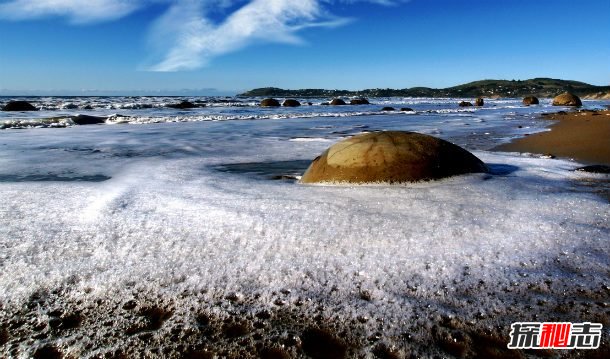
x=199, y=211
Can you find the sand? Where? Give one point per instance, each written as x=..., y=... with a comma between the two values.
x=583, y=136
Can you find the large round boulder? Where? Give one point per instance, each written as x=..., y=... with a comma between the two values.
x=337, y=102
x=270, y=102
x=291, y=103
x=19, y=106
x=567, y=99
x=479, y=101
x=359, y=101
x=391, y=156
x=530, y=100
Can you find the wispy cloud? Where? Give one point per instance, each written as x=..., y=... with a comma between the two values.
x=186, y=34
x=198, y=39
x=77, y=11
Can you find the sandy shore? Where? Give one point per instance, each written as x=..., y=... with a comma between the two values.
x=583, y=136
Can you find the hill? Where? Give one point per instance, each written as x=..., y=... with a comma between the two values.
x=540, y=87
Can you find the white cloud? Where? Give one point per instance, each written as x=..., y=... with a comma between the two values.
x=199, y=40
x=77, y=11
x=186, y=35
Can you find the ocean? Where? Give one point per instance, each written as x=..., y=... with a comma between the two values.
x=167, y=232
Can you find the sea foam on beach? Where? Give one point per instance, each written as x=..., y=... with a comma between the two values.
x=167, y=238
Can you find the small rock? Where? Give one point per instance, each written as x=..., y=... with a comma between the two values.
x=465, y=104
x=270, y=102
x=530, y=100
x=479, y=101
x=87, y=120
x=291, y=103
x=182, y=105
x=388, y=108
x=19, y=106
x=359, y=101
x=595, y=169
x=407, y=109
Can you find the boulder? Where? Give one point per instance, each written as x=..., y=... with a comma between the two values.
x=359, y=101
x=567, y=99
x=479, y=101
x=87, y=120
x=407, y=109
x=391, y=156
x=388, y=108
x=465, y=104
x=530, y=100
x=337, y=102
x=19, y=106
x=182, y=105
x=291, y=103
x=270, y=102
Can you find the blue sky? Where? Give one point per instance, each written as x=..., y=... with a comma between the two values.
x=142, y=46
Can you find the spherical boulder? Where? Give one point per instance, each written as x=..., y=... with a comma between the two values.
x=270, y=102
x=391, y=156
x=479, y=101
x=291, y=103
x=465, y=104
x=567, y=99
x=337, y=102
x=530, y=100
x=359, y=101
x=19, y=106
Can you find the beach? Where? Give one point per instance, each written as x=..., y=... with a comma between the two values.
x=583, y=136
x=185, y=234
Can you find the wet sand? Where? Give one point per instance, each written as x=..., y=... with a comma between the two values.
x=583, y=136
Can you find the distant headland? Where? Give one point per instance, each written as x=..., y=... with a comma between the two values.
x=540, y=87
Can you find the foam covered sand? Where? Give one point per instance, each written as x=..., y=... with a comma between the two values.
x=172, y=256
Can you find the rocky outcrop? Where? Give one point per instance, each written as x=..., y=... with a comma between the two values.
x=291, y=103
x=337, y=102
x=392, y=156
x=359, y=101
x=270, y=102
x=19, y=106
x=465, y=104
x=182, y=105
x=530, y=100
x=567, y=99
x=479, y=101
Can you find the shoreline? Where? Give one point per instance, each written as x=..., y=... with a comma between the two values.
x=581, y=136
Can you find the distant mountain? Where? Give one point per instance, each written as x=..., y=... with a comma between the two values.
x=540, y=87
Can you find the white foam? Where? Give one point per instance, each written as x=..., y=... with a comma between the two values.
x=173, y=223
